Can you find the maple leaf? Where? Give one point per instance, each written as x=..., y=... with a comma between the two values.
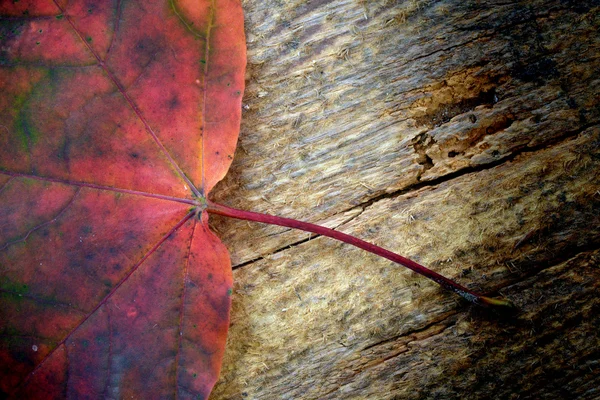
x=116, y=119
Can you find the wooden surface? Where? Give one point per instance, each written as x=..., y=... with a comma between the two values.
x=462, y=134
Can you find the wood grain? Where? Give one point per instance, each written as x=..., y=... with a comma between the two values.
x=462, y=134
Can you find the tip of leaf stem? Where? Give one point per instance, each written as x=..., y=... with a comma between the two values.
x=497, y=302
x=201, y=203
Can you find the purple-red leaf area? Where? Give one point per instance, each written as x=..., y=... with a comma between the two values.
x=116, y=119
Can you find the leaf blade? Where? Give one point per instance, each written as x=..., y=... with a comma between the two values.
x=105, y=137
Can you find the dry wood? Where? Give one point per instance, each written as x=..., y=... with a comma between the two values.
x=462, y=134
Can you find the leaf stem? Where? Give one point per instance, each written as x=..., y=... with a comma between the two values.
x=444, y=282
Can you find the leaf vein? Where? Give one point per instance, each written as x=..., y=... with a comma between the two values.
x=181, y=311
x=99, y=187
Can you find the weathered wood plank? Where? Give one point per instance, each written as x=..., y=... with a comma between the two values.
x=462, y=134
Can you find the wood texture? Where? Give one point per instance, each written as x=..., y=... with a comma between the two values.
x=462, y=134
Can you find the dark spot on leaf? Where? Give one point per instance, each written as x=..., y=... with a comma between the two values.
x=173, y=103
x=9, y=29
x=134, y=155
x=217, y=153
x=89, y=39
x=210, y=276
x=146, y=49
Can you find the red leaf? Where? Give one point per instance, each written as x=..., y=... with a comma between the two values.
x=116, y=119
